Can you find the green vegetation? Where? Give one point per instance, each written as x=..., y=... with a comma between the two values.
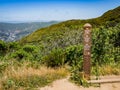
x=16, y=76
x=58, y=46
x=105, y=55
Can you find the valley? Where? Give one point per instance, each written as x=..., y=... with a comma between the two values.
x=15, y=31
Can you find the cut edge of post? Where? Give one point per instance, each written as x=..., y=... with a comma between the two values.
x=87, y=25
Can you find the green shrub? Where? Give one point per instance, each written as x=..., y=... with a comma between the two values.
x=73, y=54
x=29, y=48
x=55, y=58
x=59, y=57
x=3, y=48
x=13, y=46
x=77, y=74
x=20, y=54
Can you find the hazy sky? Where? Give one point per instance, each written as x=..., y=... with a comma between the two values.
x=46, y=10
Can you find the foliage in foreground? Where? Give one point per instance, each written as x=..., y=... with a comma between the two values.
x=57, y=48
x=25, y=76
x=105, y=56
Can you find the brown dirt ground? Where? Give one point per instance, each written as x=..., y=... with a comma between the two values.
x=65, y=84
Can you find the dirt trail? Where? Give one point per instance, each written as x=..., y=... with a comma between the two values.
x=64, y=84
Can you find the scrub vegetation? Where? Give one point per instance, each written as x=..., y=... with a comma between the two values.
x=56, y=51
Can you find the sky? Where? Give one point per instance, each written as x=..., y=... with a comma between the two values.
x=48, y=10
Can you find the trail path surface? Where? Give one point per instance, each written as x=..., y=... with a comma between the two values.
x=65, y=84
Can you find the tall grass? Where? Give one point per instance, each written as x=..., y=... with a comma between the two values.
x=111, y=69
x=25, y=76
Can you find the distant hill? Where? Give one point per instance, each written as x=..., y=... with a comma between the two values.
x=15, y=31
x=109, y=19
x=71, y=30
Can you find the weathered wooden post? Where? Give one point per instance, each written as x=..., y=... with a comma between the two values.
x=87, y=50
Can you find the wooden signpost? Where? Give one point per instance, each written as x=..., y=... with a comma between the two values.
x=87, y=50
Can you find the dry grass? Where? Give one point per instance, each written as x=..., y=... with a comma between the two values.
x=113, y=69
x=109, y=70
x=23, y=72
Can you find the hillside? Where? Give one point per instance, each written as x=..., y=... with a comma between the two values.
x=71, y=28
x=15, y=31
x=56, y=51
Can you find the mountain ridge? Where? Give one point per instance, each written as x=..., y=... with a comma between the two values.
x=109, y=19
x=14, y=31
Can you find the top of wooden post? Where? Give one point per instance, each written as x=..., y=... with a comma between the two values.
x=87, y=26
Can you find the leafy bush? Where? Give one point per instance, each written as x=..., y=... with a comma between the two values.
x=73, y=54
x=20, y=54
x=55, y=58
x=59, y=56
x=13, y=46
x=29, y=48
x=3, y=48
x=77, y=74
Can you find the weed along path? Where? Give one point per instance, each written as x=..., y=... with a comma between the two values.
x=65, y=84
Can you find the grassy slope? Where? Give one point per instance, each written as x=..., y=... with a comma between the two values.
x=25, y=75
x=108, y=19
